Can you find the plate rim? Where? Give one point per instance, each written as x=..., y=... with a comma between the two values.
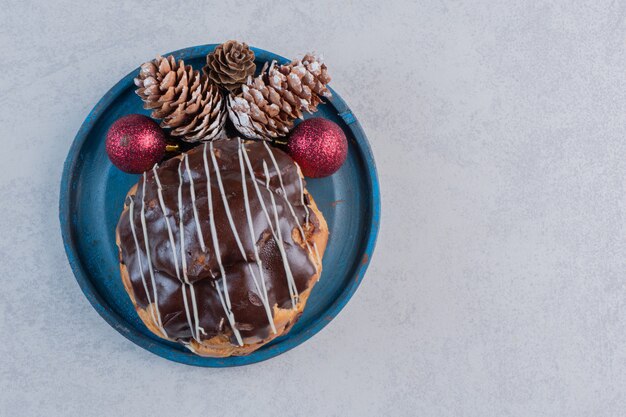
x=120, y=323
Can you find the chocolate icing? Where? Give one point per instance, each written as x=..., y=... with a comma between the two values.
x=203, y=270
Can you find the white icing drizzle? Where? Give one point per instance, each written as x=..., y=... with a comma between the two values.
x=144, y=229
x=282, y=186
x=229, y=314
x=183, y=257
x=172, y=243
x=319, y=259
x=167, y=220
x=193, y=204
x=278, y=241
x=280, y=179
x=236, y=234
x=137, y=252
x=263, y=293
x=190, y=347
x=225, y=202
x=317, y=254
x=258, y=193
x=293, y=290
x=306, y=209
x=224, y=299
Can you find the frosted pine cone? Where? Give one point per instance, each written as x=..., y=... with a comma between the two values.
x=186, y=101
x=269, y=104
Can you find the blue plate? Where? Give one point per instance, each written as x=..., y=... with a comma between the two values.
x=92, y=197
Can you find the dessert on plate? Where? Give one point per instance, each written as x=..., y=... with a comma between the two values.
x=221, y=246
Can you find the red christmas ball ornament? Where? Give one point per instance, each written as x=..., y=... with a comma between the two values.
x=135, y=143
x=319, y=146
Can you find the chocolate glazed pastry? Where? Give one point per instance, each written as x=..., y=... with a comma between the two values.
x=221, y=246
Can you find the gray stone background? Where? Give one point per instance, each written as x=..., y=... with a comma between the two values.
x=497, y=287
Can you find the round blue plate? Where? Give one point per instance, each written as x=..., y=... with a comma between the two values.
x=92, y=197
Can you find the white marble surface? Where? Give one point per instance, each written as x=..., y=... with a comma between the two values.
x=498, y=284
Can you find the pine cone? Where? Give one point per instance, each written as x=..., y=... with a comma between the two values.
x=307, y=78
x=230, y=64
x=186, y=101
x=268, y=104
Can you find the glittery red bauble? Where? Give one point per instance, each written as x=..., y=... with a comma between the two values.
x=319, y=146
x=135, y=143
